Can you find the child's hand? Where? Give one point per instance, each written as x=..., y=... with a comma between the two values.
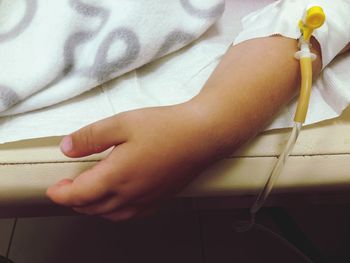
x=157, y=152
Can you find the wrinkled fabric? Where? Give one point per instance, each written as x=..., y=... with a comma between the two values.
x=52, y=50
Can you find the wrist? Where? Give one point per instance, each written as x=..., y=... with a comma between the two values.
x=213, y=128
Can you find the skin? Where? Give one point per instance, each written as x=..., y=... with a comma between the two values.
x=158, y=151
x=345, y=49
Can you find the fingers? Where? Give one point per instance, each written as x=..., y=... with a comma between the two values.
x=104, y=206
x=93, y=138
x=114, y=203
x=113, y=208
x=131, y=212
x=90, y=186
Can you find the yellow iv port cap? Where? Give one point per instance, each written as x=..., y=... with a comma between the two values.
x=314, y=17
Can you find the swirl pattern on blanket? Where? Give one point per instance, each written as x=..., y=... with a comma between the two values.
x=54, y=50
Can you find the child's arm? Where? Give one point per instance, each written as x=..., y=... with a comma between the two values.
x=253, y=81
x=160, y=150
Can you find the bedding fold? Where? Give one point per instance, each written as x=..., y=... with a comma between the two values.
x=53, y=50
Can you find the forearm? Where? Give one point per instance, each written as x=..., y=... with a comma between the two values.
x=250, y=85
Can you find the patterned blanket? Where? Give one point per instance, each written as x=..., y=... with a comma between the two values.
x=53, y=50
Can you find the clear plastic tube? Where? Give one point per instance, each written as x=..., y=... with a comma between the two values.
x=276, y=171
x=313, y=18
x=305, y=57
x=243, y=226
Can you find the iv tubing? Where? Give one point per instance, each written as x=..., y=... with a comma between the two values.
x=305, y=57
x=313, y=19
x=277, y=169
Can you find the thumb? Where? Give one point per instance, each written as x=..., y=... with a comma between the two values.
x=94, y=138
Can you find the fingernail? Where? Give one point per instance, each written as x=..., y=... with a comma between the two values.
x=60, y=184
x=63, y=182
x=66, y=144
